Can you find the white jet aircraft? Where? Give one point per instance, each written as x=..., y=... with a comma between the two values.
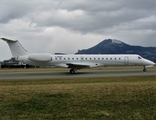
x=75, y=62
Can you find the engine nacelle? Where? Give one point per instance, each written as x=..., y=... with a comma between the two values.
x=40, y=57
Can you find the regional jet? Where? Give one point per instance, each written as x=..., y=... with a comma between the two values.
x=75, y=62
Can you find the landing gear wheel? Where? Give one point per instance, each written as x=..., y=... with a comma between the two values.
x=73, y=71
x=145, y=70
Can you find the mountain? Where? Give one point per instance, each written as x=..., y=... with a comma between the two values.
x=111, y=46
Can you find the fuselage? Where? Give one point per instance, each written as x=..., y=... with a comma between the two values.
x=89, y=60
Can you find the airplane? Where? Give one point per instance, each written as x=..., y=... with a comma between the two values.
x=76, y=61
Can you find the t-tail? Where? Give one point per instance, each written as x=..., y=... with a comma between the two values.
x=16, y=48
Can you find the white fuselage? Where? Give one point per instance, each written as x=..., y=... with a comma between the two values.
x=88, y=60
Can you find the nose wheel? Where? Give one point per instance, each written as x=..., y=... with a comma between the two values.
x=73, y=71
x=144, y=69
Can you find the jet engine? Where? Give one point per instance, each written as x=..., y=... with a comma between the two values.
x=40, y=57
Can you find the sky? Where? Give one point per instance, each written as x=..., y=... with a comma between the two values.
x=67, y=26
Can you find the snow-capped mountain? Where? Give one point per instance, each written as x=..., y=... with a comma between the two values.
x=112, y=46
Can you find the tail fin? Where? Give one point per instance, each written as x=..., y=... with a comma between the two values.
x=15, y=47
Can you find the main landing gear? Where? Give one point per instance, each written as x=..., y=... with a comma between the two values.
x=144, y=69
x=73, y=71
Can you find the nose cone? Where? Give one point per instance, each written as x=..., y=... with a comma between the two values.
x=148, y=62
x=153, y=63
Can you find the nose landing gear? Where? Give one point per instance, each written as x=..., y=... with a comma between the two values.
x=145, y=70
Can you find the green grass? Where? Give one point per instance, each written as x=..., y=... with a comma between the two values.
x=112, y=98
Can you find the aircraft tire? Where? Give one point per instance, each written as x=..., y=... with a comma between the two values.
x=72, y=71
x=144, y=70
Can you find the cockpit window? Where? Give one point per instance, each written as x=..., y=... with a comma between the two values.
x=139, y=57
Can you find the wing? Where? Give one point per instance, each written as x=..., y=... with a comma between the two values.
x=78, y=65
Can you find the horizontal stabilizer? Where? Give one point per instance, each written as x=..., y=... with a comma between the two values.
x=15, y=47
x=8, y=40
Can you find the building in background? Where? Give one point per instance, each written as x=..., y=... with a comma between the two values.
x=12, y=63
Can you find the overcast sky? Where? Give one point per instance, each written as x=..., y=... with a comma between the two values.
x=68, y=25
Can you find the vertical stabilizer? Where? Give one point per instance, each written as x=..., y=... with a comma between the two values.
x=15, y=47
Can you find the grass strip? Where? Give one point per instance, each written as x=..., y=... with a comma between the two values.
x=79, y=98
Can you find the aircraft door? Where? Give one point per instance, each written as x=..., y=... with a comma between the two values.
x=126, y=60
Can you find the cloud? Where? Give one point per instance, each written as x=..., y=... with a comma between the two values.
x=66, y=26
